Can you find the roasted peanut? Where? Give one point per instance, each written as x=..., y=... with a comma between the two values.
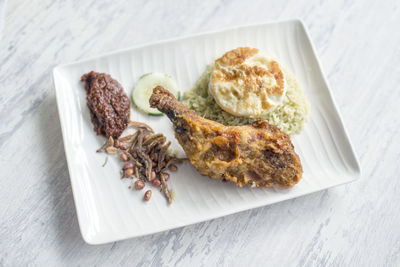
x=156, y=183
x=173, y=168
x=147, y=195
x=152, y=176
x=123, y=157
x=139, y=184
x=123, y=147
x=128, y=172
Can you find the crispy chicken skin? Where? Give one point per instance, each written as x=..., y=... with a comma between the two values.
x=258, y=154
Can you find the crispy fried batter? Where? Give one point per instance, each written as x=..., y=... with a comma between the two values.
x=258, y=154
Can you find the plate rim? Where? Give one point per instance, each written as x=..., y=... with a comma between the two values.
x=58, y=68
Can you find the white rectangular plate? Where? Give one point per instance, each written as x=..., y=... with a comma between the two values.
x=108, y=211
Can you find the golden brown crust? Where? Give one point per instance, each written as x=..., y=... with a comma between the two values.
x=237, y=56
x=258, y=154
x=279, y=78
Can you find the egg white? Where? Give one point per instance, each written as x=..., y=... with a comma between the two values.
x=247, y=94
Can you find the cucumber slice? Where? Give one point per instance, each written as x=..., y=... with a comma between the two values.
x=144, y=88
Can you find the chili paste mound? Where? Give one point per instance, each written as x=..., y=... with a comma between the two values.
x=108, y=104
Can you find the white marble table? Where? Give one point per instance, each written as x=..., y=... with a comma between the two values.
x=353, y=225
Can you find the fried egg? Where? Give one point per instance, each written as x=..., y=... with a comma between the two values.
x=246, y=82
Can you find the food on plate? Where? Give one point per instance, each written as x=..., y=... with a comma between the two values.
x=145, y=154
x=108, y=104
x=244, y=86
x=146, y=158
x=258, y=154
x=220, y=99
x=144, y=88
x=247, y=83
x=147, y=195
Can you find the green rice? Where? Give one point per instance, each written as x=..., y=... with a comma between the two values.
x=290, y=116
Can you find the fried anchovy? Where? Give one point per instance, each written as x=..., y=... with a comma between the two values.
x=159, y=141
x=140, y=140
x=147, y=163
x=165, y=190
x=108, y=143
x=152, y=138
x=134, y=141
x=140, y=125
x=161, y=156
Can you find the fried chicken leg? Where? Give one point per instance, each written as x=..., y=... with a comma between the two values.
x=258, y=154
